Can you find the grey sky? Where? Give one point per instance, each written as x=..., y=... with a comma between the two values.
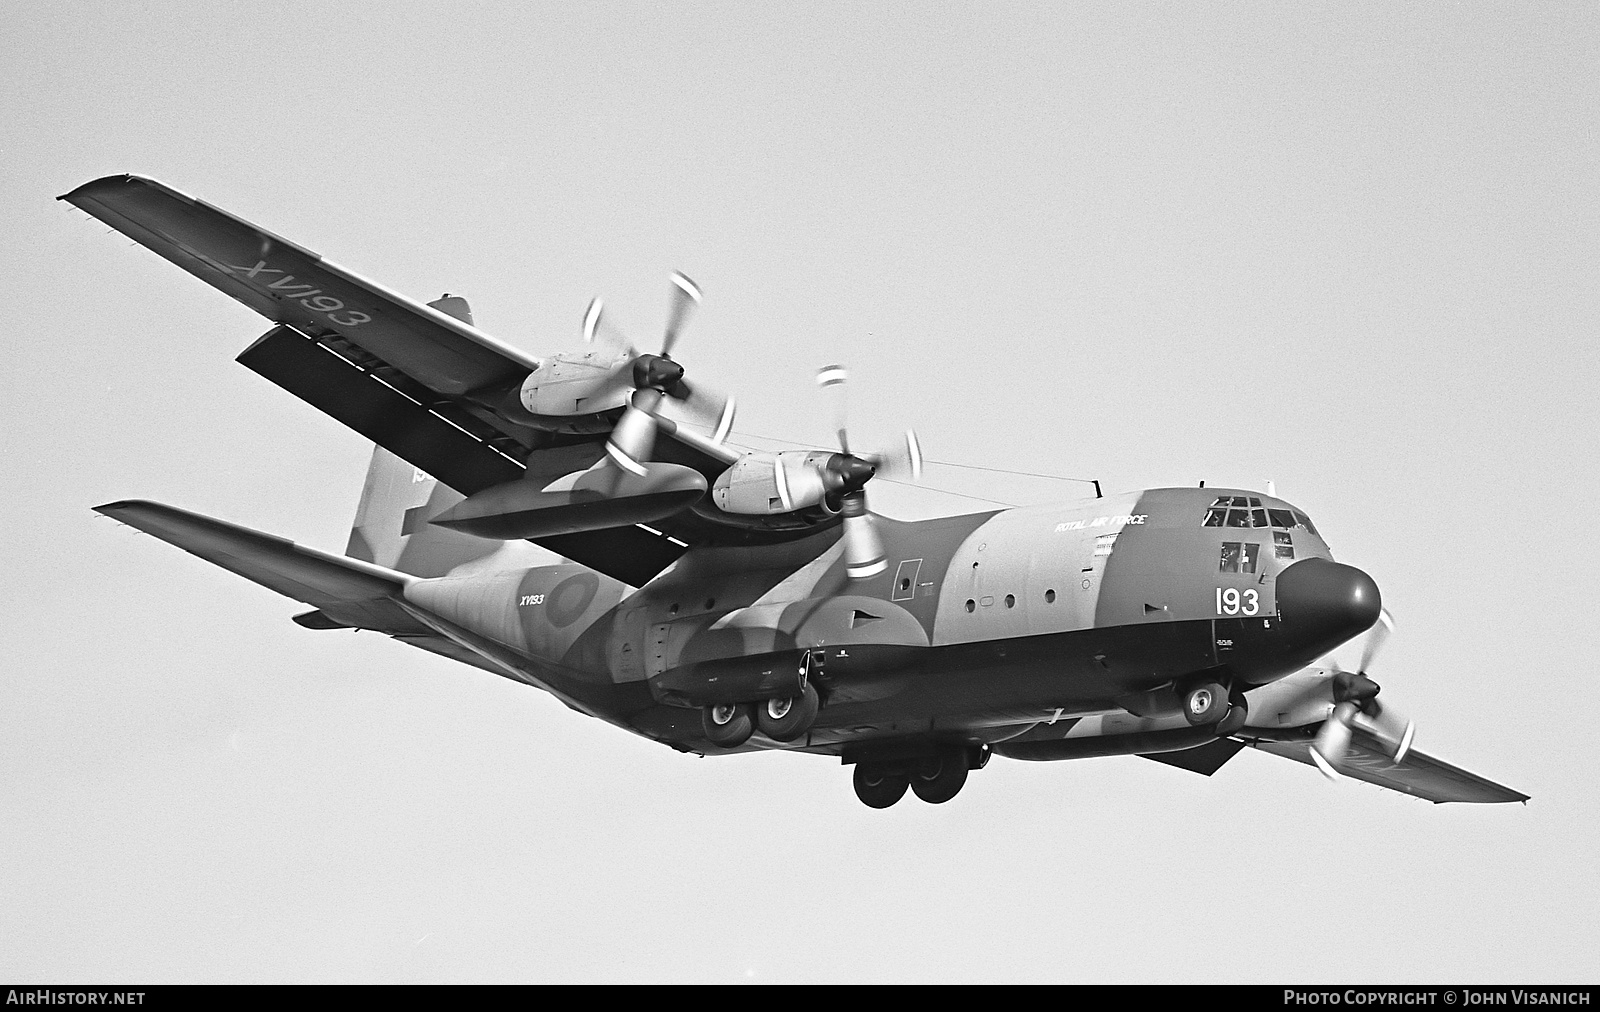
x=1348, y=248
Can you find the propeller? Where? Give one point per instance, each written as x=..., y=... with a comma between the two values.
x=1356, y=705
x=845, y=475
x=657, y=380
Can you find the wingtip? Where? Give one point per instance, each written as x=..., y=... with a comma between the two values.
x=120, y=179
x=121, y=506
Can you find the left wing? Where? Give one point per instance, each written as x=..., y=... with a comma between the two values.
x=1284, y=719
x=1418, y=774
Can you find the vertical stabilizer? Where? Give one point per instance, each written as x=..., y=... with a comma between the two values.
x=392, y=528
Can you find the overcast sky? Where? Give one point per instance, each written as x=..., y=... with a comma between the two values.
x=1348, y=248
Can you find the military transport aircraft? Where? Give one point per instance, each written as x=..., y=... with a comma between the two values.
x=720, y=600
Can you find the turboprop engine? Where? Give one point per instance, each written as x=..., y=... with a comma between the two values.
x=761, y=484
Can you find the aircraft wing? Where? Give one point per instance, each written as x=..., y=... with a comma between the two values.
x=291, y=285
x=1418, y=774
x=422, y=383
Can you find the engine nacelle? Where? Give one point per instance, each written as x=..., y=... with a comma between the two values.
x=764, y=484
x=567, y=384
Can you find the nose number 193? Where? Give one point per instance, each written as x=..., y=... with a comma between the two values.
x=1231, y=602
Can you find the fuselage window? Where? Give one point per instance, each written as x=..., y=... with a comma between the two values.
x=1230, y=557
x=1238, y=558
x=1282, y=544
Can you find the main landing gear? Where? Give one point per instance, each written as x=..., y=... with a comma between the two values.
x=781, y=718
x=935, y=778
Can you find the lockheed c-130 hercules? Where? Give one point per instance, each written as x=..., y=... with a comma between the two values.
x=721, y=600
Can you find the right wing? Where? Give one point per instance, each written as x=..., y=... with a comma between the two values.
x=291, y=285
x=424, y=384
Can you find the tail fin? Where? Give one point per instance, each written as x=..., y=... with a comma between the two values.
x=392, y=529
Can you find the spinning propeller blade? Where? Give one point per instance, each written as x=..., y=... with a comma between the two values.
x=655, y=378
x=1356, y=704
x=847, y=475
x=685, y=295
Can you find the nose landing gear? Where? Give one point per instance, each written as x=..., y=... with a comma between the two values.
x=1206, y=703
x=1211, y=703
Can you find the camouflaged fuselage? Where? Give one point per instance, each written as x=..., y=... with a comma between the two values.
x=985, y=627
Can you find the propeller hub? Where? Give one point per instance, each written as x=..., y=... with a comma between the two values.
x=1350, y=687
x=656, y=372
x=850, y=473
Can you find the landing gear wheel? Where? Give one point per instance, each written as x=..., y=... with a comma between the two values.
x=787, y=718
x=878, y=789
x=728, y=725
x=940, y=779
x=1206, y=703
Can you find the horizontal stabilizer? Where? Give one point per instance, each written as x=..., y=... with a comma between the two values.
x=329, y=582
x=1417, y=774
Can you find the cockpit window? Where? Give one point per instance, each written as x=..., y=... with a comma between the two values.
x=1247, y=511
x=1282, y=544
x=1305, y=522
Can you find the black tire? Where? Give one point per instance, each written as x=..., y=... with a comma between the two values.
x=878, y=789
x=940, y=779
x=1206, y=703
x=788, y=718
x=728, y=725
x=1238, y=713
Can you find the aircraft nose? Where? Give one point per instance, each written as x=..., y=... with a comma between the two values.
x=1323, y=603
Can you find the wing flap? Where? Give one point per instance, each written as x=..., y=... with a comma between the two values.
x=292, y=285
x=445, y=449
x=1419, y=774
x=333, y=583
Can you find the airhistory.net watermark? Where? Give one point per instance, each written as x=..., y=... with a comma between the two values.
x=48, y=997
